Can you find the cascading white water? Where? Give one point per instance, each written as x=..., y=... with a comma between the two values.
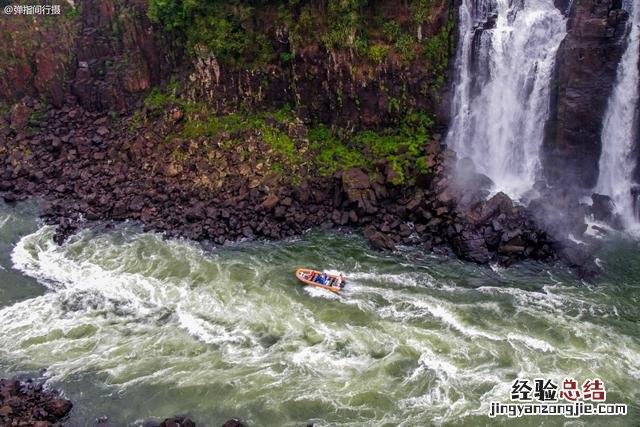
x=620, y=126
x=501, y=99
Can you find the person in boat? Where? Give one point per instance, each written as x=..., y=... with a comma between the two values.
x=321, y=279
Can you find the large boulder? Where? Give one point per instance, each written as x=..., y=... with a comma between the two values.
x=378, y=240
x=471, y=246
x=602, y=208
x=357, y=187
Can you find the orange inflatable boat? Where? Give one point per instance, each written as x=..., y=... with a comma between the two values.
x=333, y=283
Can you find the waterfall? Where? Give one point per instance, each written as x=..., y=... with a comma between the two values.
x=505, y=62
x=619, y=130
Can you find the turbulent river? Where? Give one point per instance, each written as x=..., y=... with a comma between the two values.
x=137, y=327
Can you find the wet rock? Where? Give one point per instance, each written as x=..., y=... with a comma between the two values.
x=378, y=240
x=405, y=230
x=578, y=256
x=499, y=203
x=233, y=422
x=357, y=187
x=269, y=202
x=602, y=208
x=211, y=200
x=58, y=408
x=596, y=36
x=28, y=403
x=177, y=422
x=471, y=245
x=355, y=180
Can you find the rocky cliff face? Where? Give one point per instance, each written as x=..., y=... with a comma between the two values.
x=225, y=138
x=585, y=73
x=338, y=86
x=105, y=53
x=89, y=169
x=102, y=53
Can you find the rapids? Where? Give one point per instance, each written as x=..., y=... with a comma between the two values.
x=134, y=326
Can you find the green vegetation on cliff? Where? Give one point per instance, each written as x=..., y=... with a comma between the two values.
x=401, y=146
x=257, y=37
x=293, y=148
x=236, y=31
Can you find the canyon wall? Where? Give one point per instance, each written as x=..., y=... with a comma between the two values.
x=584, y=76
x=100, y=53
x=104, y=54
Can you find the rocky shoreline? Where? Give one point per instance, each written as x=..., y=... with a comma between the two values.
x=86, y=154
x=89, y=168
x=30, y=403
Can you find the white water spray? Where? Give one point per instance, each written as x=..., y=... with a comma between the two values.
x=619, y=130
x=501, y=99
x=165, y=326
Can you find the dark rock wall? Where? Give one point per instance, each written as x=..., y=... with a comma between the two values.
x=337, y=86
x=102, y=53
x=636, y=172
x=585, y=73
x=118, y=54
x=108, y=54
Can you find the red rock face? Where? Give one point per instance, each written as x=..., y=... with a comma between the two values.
x=117, y=55
x=103, y=56
x=585, y=73
x=34, y=57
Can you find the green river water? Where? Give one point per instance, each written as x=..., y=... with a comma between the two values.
x=136, y=327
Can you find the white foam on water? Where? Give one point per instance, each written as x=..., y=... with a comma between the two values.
x=203, y=330
x=534, y=343
x=403, y=279
x=591, y=231
x=39, y=257
x=574, y=239
x=436, y=363
x=4, y=220
x=450, y=319
x=318, y=292
x=219, y=319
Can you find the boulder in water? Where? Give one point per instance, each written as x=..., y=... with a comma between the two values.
x=378, y=240
x=578, y=256
x=602, y=208
x=471, y=245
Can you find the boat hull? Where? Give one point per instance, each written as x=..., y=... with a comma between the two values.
x=306, y=276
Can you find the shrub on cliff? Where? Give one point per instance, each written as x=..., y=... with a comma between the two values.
x=239, y=32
